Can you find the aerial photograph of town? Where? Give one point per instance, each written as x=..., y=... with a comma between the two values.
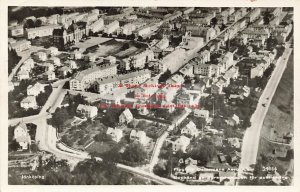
x=150, y=95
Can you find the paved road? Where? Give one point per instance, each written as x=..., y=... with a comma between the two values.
x=252, y=134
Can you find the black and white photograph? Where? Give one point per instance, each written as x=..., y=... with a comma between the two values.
x=150, y=95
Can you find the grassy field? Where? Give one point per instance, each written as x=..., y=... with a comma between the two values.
x=280, y=116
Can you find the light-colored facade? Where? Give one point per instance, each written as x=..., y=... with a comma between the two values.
x=84, y=78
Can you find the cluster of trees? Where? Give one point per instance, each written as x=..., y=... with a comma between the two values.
x=87, y=172
x=15, y=96
x=32, y=24
x=24, y=12
x=61, y=114
x=166, y=75
x=13, y=59
x=202, y=150
x=43, y=97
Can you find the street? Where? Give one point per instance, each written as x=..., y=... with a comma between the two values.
x=252, y=134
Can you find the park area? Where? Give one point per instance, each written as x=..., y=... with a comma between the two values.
x=118, y=48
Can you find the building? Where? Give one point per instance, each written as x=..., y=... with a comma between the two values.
x=143, y=31
x=22, y=74
x=207, y=33
x=27, y=65
x=188, y=98
x=108, y=84
x=55, y=61
x=175, y=79
x=42, y=31
x=64, y=37
x=40, y=56
x=234, y=120
x=147, y=89
x=35, y=89
x=190, y=129
x=87, y=111
x=29, y=102
x=20, y=46
x=234, y=142
x=76, y=55
x=112, y=27
x=181, y=143
x=127, y=29
x=116, y=134
x=137, y=61
x=49, y=75
x=97, y=26
x=22, y=136
x=126, y=116
x=139, y=136
x=85, y=78
x=187, y=70
x=53, y=51
x=16, y=31
x=172, y=61
x=65, y=70
x=202, y=113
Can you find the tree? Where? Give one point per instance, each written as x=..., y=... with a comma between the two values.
x=203, y=150
x=214, y=21
x=29, y=23
x=38, y=23
x=166, y=75
x=58, y=118
x=135, y=152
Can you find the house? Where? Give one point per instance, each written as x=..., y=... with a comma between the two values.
x=175, y=79
x=35, y=89
x=49, y=75
x=201, y=113
x=23, y=75
x=20, y=46
x=47, y=66
x=188, y=98
x=64, y=36
x=139, y=136
x=245, y=91
x=42, y=31
x=217, y=88
x=112, y=27
x=166, y=94
x=72, y=64
x=234, y=142
x=234, y=120
x=27, y=65
x=126, y=116
x=85, y=78
x=76, y=55
x=222, y=158
x=190, y=129
x=63, y=71
x=181, y=143
x=15, y=31
x=55, y=61
x=90, y=57
x=22, y=136
x=87, y=111
x=29, y=102
x=116, y=134
x=187, y=70
x=52, y=51
x=41, y=56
